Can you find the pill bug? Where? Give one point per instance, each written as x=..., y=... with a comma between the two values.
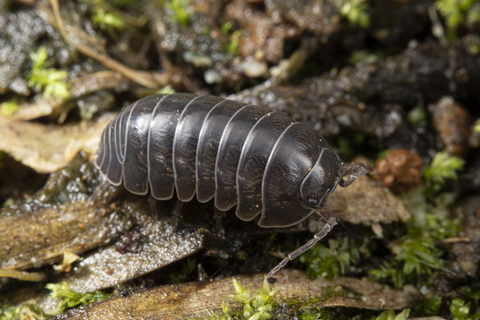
x=245, y=155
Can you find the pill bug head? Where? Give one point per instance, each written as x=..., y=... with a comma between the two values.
x=322, y=179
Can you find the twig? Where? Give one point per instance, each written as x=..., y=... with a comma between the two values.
x=138, y=22
x=437, y=27
x=285, y=70
x=147, y=79
x=42, y=106
x=31, y=3
x=23, y=275
x=457, y=240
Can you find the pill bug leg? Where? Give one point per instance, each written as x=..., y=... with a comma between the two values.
x=217, y=216
x=177, y=215
x=173, y=217
x=330, y=222
x=355, y=170
x=98, y=191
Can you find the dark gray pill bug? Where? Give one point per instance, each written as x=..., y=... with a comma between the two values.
x=263, y=162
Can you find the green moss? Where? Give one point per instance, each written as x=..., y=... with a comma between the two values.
x=254, y=305
x=331, y=261
x=233, y=37
x=383, y=154
x=323, y=314
x=442, y=167
x=429, y=307
x=69, y=298
x=263, y=304
x=179, y=11
x=471, y=294
x=9, y=201
x=415, y=254
x=66, y=299
x=418, y=116
x=107, y=21
x=473, y=14
x=165, y=90
x=124, y=3
x=457, y=12
x=9, y=107
x=461, y=310
x=48, y=80
x=104, y=18
x=185, y=274
x=476, y=126
x=415, y=258
x=348, y=142
x=26, y=311
x=365, y=56
x=354, y=11
x=472, y=46
x=390, y=315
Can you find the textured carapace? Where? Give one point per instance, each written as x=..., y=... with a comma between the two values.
x=242, y=155
x=245, y=155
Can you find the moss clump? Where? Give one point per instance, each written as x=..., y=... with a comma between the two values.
x=69, y=298
x=476, y=126
x=50, y=81
x=179, y=11
x=107, y=21
x=185, y=274
x=331, y=261
x=254, y=305
x=415, y=255
x=390, y=315
x=233, y=38
x=461, y=310
x=442, y=167
x=66, y=299
x=354, y=11
x=457, y=12
x=8, y=108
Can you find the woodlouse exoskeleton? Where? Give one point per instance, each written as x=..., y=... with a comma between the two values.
x=261, y=161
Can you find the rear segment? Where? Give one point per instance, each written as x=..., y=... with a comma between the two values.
x=110, y=155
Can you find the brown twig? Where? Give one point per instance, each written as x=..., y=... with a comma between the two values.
x=23, y=275
x=283, y=71
x=457, y=240
x=46, y=106
x=31, y=3
x=138, y=22
x=148, y=79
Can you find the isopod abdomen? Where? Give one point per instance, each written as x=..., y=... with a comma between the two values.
x=245, y=155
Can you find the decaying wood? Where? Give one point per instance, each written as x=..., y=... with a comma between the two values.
x=148, y=79
x=32, y=240
x=368, y=202
x=107, y=267
x=46, y=148
x=23, y=275
x=42, y=106
x=194, y=299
